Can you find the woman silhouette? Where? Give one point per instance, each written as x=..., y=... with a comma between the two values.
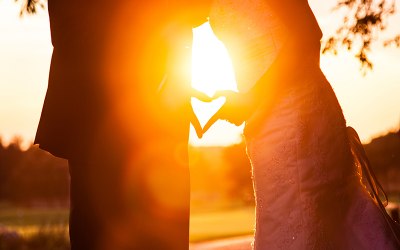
x=306, y=163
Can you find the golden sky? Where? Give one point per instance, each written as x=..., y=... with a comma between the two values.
x=371, y=104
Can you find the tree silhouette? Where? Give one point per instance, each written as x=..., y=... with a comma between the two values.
x=31, y=175
x=384, y=155
x=239, y=173
x=31, y=6
x=363, y=22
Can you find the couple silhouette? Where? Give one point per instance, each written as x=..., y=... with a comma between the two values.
x=118, y=108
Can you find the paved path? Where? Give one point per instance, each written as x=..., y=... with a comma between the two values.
x=238, y=243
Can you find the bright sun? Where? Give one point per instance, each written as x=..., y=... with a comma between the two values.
x=211, y=71
x=211, y=66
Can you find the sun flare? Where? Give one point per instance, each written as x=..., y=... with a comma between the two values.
x=211, y=65
x=212, y=70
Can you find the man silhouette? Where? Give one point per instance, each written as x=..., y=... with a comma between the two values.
x=118, y=110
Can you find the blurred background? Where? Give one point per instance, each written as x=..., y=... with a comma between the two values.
x=34, y=185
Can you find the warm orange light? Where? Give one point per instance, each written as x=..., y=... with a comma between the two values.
x=211, y=65
x=212, y=70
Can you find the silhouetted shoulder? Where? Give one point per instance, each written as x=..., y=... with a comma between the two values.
x=298, y=17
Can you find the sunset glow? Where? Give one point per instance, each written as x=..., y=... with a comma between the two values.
x=211, y=66
x=371, y=104
x=212, y=70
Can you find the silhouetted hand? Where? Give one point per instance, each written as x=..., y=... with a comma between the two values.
x=201, y=96
x=237, y=108
x=195, y=122
x=192, y=116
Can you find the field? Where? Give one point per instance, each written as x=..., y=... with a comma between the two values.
x=50, y=224
x=27, y=221
x=46, y=228
x=221, y=224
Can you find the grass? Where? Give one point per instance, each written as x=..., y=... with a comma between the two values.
x=33, y=229
x=47, y=228
x=221, y=224
x=29, y=221
x=50, y=239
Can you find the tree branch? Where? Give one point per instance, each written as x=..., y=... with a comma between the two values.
x=360, y=28
x=31, y=6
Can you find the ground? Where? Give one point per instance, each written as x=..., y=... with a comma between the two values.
x=238, y=243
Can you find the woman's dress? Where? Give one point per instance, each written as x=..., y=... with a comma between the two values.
x=308, y=188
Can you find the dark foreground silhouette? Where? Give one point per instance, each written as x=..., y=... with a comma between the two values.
x=117, y=107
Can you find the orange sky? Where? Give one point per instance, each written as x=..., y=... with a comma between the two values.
x=371, y=104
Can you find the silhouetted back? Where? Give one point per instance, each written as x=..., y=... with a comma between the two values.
x=107, y=55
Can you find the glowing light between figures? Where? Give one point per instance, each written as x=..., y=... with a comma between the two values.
x=212, y=70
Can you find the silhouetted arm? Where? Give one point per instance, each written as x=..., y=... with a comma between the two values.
x=302, y=44
x=176, y=90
